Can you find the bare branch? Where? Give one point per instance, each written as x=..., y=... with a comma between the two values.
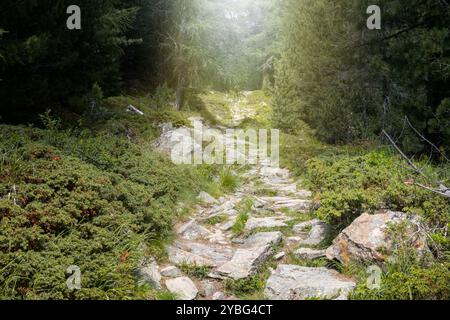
x=416, y=169
x=426, y=140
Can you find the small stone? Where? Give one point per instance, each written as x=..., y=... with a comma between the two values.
x=171, y=272
x=148, y=273
x=207, y=198
x=305, y=226
x=219, y=296
x=280, y=255
x=183, y=287
x=319, y=231
x=208, y=288
x=294, y=240
x=309, y=254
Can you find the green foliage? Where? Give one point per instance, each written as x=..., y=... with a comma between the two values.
x=86, y=198
x=228, y=180
x=44, y=63
x=217, y=219
x=248, y=288
x=240, y=223
x=406, y=276
x=347, y=82
x=349, y=185
x=417, y=284
x=199, y=272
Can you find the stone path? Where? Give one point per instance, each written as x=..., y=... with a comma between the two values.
x=274, y=230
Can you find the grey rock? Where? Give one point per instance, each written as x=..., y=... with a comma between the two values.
x=244, y=263
x=306, y=226
x=180, y=138
x=216, y=253
x=207, y=198
x=218, y=296
x=171, y=272
x=192, y=231
x=291, y=282
x=252, y=254
x=294, y=204
x=294, y=240
x=319, y=231
x=208, y=288
x=363, y=239
x=178, y=256
x=263, y=239
x=148, y=272
x=279, y=255
x=309, y=254
x=183, y=287
x=266, y=222
x=226, y=226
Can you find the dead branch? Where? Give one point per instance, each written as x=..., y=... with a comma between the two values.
x=426, y=140
x=445, y=193
x=412, y=165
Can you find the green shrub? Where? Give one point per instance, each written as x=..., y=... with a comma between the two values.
x=82, y=197
x=229, y=181
x=418, y=283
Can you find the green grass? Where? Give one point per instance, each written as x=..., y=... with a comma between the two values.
x=239, y=225
x=244, y=207
x=229, y=181
x=217, y=219
x=198, y=272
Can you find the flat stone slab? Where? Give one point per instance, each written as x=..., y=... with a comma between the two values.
x=192, y=231
x=252, y=254
x=266, y=222
x=278, y=203
x=244, y=263
x=291, y=282
x=171, y=272
x=218, y=254
x=262, y=239
x=183, y=287
x=178, y=256
x=267, y=171
x=309, y=254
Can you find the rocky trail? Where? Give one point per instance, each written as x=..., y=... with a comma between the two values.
x=277, y=228
x=241, y=257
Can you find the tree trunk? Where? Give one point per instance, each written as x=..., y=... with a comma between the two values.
x=180, y=94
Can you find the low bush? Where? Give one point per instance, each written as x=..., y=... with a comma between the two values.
x=84, y=197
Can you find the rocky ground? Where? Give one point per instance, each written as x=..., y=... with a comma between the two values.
x=277, y=228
